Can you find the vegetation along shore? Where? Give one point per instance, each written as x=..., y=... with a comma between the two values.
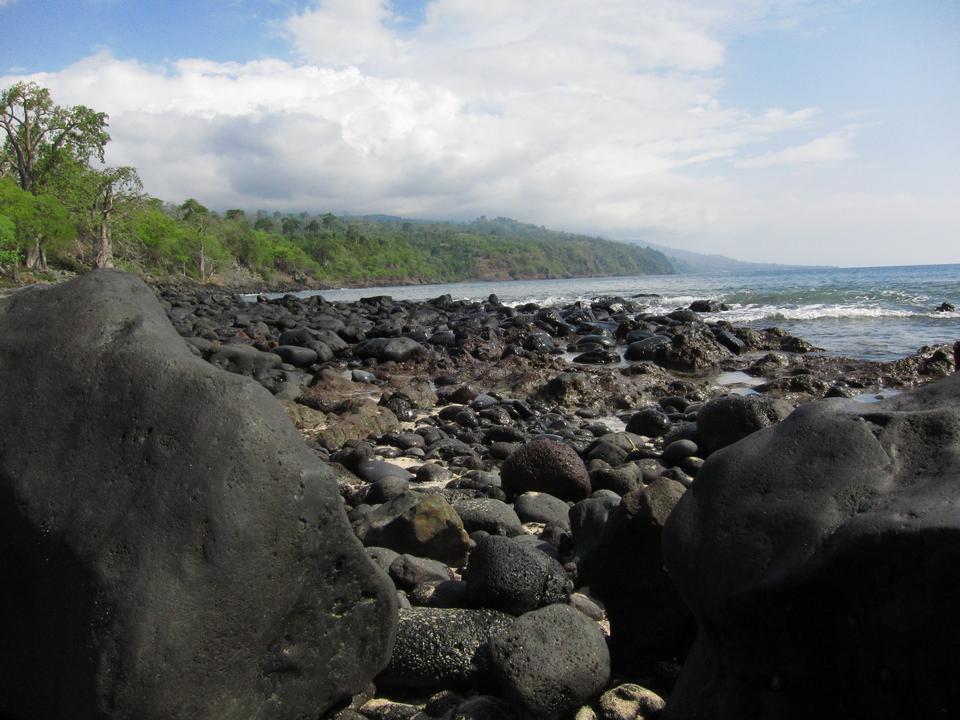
x=62, y=209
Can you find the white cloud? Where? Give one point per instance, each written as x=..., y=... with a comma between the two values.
x=604, y=119
x=827, y=150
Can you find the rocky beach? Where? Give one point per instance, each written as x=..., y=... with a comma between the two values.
x=386, y=509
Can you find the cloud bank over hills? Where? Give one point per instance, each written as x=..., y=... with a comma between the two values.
x=611, y=118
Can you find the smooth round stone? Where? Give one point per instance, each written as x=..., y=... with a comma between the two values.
x=550, y=661
x=649, y=422
x=432, y=472
x=386, y=489
x=542, y=508
x=678, y=450
x=598, y=357
x=374, y=470
x=295, y=355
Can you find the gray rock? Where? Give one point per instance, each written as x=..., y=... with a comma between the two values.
x=295, y=355
x=548, y=466
x=587, y=519
x=425, y=526
x=677, y=451
x=822, y=553
x=515, y=577
x=375, y=470
x=723, y=421
x=244, y=359
x=406, y=571
x=494, y=516
x=550, y=661
x=385, y=349
x=441, y=648
x=624, y=567
x=542, y=508
x=630, y=702
x=171, y=547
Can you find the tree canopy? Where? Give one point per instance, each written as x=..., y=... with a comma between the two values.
x=39, y=135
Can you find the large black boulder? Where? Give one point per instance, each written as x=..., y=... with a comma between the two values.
x=171, y=547
x=821, y=558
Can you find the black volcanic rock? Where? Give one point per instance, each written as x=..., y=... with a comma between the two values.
x=171, y=548
x=821, y=557
x=545, y=465
x=551, y=660
x=725, y=420
x=442, y=648
x=515, y=577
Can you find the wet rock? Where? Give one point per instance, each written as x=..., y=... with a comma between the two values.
x=708, y=306
x=179, y=550
x=646, y=349
x=507, y=575
x=649, y=421
x=384, y=349
x=692, y=349
x=809, y=552
x=550, y=661
x=548, y=466
x=441, y=648
x=597, y=357
x=677, y=451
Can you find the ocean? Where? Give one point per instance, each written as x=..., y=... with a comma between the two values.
x=880, y=313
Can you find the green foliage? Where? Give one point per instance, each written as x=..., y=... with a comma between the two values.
x=39, y=220
x=9, y=254
x=38, y=135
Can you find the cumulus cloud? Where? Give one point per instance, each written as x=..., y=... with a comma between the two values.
x=604, y=118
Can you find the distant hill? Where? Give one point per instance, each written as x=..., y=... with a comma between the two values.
x=686, y=261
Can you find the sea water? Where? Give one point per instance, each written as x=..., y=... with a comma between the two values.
x=878, y=313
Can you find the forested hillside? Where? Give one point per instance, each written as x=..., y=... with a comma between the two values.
x=61, y=208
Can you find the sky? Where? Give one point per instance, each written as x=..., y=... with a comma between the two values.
x=792, y=131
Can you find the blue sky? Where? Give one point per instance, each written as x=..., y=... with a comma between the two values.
x=775, y=130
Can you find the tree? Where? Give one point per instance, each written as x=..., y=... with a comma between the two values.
x=39, y=135
x=9, y=254
x=114, y=186
x=41, y=223
x=197, y=216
